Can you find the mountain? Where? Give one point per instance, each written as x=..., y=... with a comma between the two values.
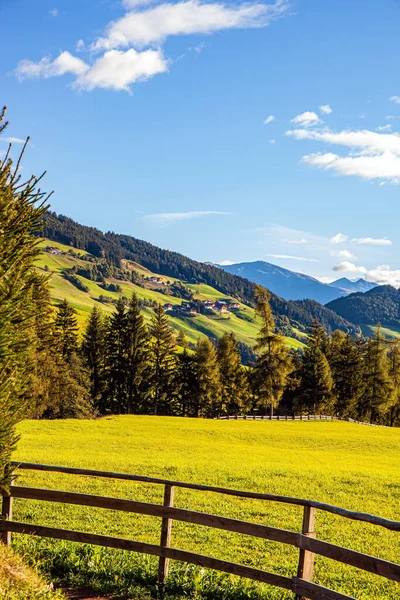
x=287, y=284
x=379, y=305
x=112, y=249
x=351, y=287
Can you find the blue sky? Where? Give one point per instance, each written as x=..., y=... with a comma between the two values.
x=151, y=118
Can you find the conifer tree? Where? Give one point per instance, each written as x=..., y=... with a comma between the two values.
x=93, y=353
x=163, y=372
x=379, y=390
x=66, y=327
x=316, y=383
x=187, y=384
x=394, y=372
x=137, y=358
x=345, y=360
x=21, y=210
x=115, y=393
x=181, y=339
x=272, y=365
x=233, y=379
x=209, y=390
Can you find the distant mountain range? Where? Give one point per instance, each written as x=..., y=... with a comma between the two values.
x=296, y=286
x=380, y=305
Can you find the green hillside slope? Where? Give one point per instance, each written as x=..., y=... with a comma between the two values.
x=241, y=322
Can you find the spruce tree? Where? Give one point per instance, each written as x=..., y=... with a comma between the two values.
x=93, y=353
x=345, y=360
x=209, y=390
x=114, y=399
x=137, y=358
x=394, y=372
x=379, y=389
x=163, y=366
x=272, y=365
x=66, y=327
x=235, y=393
x=187, y=384
x=21, y=211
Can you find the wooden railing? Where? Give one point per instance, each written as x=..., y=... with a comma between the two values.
x=301, y=584
x=249, y=417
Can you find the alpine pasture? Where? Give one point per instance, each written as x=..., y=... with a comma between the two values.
x=348, y=465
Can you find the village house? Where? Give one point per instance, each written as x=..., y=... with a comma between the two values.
x=168, y=306
x=53, y=250
x=234, y=306
x=156, y=280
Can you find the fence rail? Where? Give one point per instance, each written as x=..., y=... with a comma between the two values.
x=301, y=584
x=294, y=418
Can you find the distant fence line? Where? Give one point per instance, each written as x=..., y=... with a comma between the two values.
x=301, y=584
x=294, y=418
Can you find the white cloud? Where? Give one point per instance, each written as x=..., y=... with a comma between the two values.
x=54, y=12
x=395, y=99
x=156, y=24
x=169, y=218
x=367, y=241
x=344, y=254
x=288, y=257
x=374, y=155
x=339, y=238
x=348, y=267
x=325, y=109
x=297, y=242
x=64, y=63
x=80, y=45
x=226, y=263
x=117, y=70
x=272, y=142
x=12, y=140
x=306, y=119
x=269, y=119
x=384, y=128
x=135, y=3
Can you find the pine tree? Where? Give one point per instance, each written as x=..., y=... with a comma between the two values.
x=114, y=398
x=233, y=379
x=181, y=340
x=93, y=353
x=137, y=358
x=316, y=383
x=378, y=392
x=66, y=327
x=21, y=211
x=394, y=372
x=209, y=391
x=272, y=365
x=345, y=360
x=163, y=372
x=187, y=384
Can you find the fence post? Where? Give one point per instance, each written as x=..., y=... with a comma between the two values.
x=6, y=513
x=306, y=560
x=165, y=540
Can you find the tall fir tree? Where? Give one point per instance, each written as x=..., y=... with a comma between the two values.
x=137, y=358
x=163, y=365
x=379, y=390
x=21, y=211
x=209, y=389
x=66, y=328
x=345, y=360
x=235, y=393
x=114, y=399
x=273, y=364
x=93, y=353
x=187, y=384
x=394, y=372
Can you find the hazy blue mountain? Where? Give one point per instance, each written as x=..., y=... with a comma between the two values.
x=289, y=284
x=353, y=286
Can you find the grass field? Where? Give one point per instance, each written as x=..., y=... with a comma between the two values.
x=351, y=466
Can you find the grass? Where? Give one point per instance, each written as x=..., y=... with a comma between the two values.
x=390, y=333
x=351, y=466
x=194, y=327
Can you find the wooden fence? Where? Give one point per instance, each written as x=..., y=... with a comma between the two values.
x=301, y=584
x=294, y=418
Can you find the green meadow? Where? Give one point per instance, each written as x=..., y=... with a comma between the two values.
x=352, y=466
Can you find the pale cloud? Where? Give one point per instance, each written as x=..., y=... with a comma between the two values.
x=54, y=12
x=12, y=140
x=80, y=46
x=325, y=109
x=395, y=99
x=385, y=128
x=368, y=241
x=297, y=242
x=289, y=257
x=343, y=254
x=272, y=142
x=373, y=156
x=170, y=218
x=118, y=70
x=269, y=119
x=45, y=68
x=339, y=238
x=351, y=268
x=226, y=263
x=306, y=119
x=154, y=25
x=381, y=274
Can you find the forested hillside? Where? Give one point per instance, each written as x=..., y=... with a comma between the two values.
x=115, y=248
x=379, y=305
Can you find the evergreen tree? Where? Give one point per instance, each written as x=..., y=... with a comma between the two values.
x=272, y=365
x=93, y=353
x=233, y=378
x=163, y=372
x=66, y=327
x=345, y=360
x=316, y=383
x=114, y=398
x=137, y=358
x=209, y=391
x=379, y=390
x=181, y=339
x=394, y=372
x=187, y=384
x=21, y=212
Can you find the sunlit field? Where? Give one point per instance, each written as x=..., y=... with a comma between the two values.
x=352, y=466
